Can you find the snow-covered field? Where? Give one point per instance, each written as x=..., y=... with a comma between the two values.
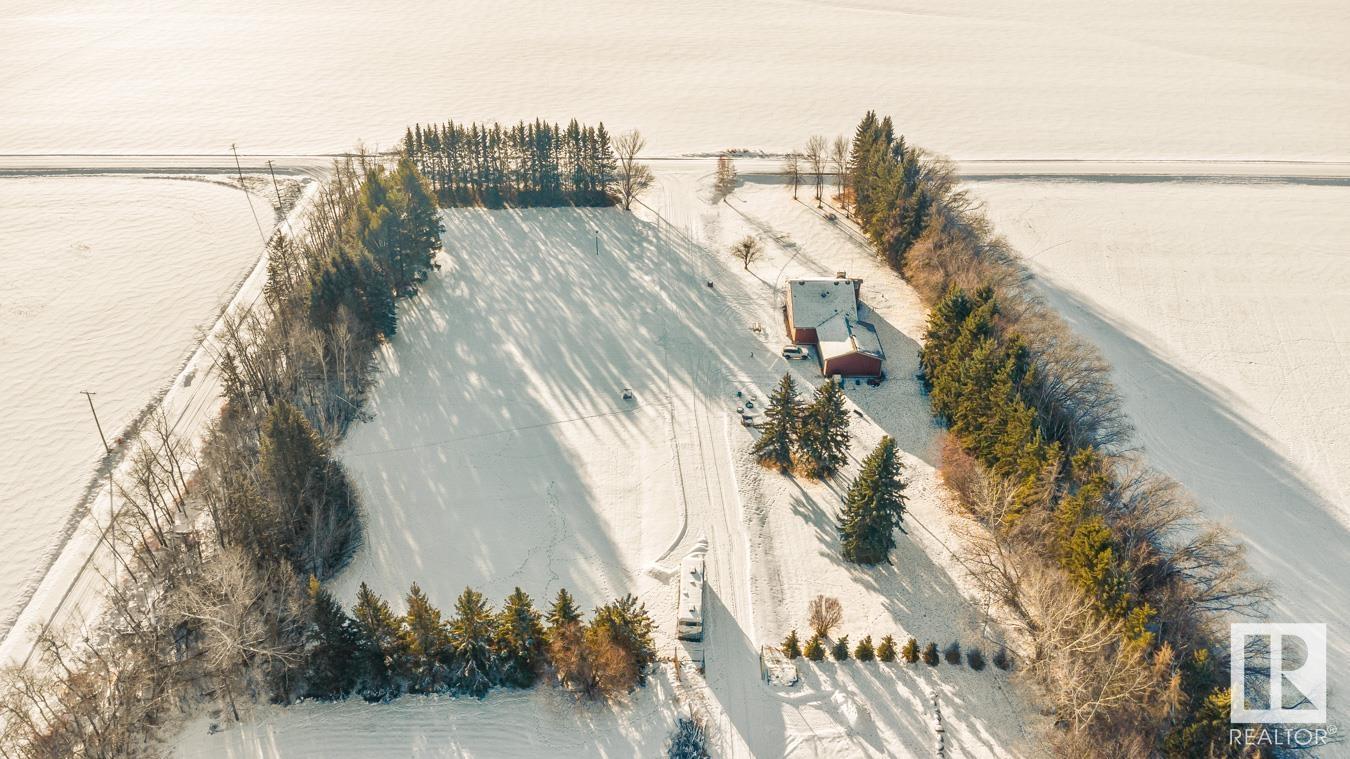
x=104, y=283
x=1217, y=303
x=502, y=454
x=972, y=78
x=1222, y=309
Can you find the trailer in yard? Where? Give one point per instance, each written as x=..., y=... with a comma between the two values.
x=689, y=622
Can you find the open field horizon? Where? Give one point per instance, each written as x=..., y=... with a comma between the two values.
x=976, y=80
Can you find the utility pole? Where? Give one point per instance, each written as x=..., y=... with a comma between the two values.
x=90, y=397
x=274, y=186
x=261, y=234
x=597, y=242
x=237, y=167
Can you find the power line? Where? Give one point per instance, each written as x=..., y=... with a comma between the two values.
x=107, y=449
x=247, y=196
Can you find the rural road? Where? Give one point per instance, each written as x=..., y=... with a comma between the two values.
x=1045, y=170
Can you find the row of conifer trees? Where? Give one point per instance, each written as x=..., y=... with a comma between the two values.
x=885, y=651
x=1033, y=410
x=532, y=164
x=379, y=654
x=332, y=295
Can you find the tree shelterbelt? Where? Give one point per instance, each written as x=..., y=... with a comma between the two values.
x=388, y=245
x=1079, y=532
x=235, y=605
x=527, y=164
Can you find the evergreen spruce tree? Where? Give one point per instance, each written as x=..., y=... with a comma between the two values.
x=822, y=445
x=381, y=647
x=520, y=640
x=376, y=306
x=689, y=741
x=626, y=623
x=910, y=653
x=566, y=647
x=815, y=648
x=930, y=654
x=864, y=650
x=563, y=611
x=315, y=510
x=427, y=642
x=606, y=165
x=781, y=421
x=840, y=650
x=874, y=508
x=474, y=667
x=791, y=648
x=331, y=644
x=952, y=653
x=886, y=649
x=423, y=220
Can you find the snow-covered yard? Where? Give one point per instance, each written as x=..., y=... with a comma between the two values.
x=501, y=453
x=104, y=285
x=1222, y=310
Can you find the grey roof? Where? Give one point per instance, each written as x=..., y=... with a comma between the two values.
x=816, y=300
x=841, y=335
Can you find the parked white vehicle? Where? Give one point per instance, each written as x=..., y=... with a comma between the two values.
x=795, y=353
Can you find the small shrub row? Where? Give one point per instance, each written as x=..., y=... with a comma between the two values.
x=885, y=651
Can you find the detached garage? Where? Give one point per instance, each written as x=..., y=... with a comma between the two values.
x=823, y=312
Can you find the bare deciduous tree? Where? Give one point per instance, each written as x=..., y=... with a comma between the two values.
x=747, y=250
x=724, y=183
x=633, y=177
x=839, y=162
x=824, y=614
x=792, y=169
x=245, y=620
x=817, y=158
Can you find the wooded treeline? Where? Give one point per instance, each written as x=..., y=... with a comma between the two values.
x=528, y=164
x=1104, y=567
x=212, y=546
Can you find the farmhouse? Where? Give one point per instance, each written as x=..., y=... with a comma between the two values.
x=824, y=312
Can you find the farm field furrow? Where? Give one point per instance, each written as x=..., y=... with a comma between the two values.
x=104, y=285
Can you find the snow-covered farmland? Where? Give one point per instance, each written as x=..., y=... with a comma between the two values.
x=501, y=453
x=1222, y=310
x=104, y=284
x=972, y=78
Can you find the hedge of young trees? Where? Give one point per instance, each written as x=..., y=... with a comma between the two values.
x=1105, y=567
x=379, y=654
x=530, y=164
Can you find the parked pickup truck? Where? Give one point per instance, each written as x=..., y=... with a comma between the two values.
x=795, y=352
